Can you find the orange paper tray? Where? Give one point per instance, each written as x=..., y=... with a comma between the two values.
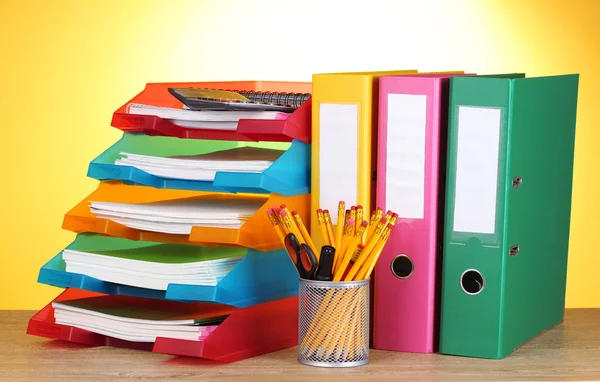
x=256, y=233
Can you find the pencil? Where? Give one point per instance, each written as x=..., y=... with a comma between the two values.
x=346, y=256
x=371, y=241
x=305, y=234
x=339, y=227
x=290, y=226
x=359, y=216
x=329, y=227
x=321, y=221
x=296, y=230
x=276, y=224
x=339, y=253
x=388, y=215
x=393, y=219
x=355, y=255
x=375, y=218
x=369, y=265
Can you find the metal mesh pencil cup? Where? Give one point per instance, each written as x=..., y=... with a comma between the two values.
x=333, y=323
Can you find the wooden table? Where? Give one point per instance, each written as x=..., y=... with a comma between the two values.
x=570, y=351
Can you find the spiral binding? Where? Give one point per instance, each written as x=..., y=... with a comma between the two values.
x=277, y=98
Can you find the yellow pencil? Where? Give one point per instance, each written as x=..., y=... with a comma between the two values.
x=290, y=226
x=339, y=253
x=349, y=251
x=283, y=207
x=322, y=226
x=276, y=224
x=375, y=218
x=339, y=228
x=359, y=217
x=305, y=233
x=371, y=241
x=388, y=215
x=369, y=265
x=393, y=219
x=329, y=227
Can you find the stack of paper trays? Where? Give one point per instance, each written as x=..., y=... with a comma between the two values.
x=176, y=239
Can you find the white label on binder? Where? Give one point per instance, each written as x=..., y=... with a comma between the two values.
x=338, y=156
x=405, y=151
x=476, y=169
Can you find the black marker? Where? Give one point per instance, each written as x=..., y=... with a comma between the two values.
x=324, y=272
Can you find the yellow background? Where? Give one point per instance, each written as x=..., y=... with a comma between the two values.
x=65, y=66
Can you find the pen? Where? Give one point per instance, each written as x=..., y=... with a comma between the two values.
x=325, y=264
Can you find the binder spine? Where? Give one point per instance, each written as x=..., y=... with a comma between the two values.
x=474, y=245
x=406, y=286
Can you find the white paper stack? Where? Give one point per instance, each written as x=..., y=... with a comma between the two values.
x=204, y=119
x=113, y=266
x=205, y=166
x=138, y=319
x=178, y=216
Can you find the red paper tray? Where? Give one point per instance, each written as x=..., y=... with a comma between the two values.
x=296, y=126
x=246, y=333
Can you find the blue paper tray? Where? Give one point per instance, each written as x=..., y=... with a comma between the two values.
x=259, y=277
x=289, y=175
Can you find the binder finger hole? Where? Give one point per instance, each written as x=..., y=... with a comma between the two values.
x=402, y=266
x=471, y=282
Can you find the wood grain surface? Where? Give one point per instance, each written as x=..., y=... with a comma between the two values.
x=568, y=352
